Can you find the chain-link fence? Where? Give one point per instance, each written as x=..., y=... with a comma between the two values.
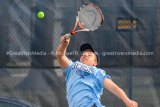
x=127, y=42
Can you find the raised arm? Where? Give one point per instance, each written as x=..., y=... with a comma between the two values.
x=113, y=88
x=61, y=51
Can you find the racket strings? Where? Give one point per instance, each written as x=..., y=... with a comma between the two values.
x=90, y=17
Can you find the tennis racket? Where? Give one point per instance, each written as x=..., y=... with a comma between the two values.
x=89, y=18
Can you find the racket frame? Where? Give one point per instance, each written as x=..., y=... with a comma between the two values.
x=73, y=32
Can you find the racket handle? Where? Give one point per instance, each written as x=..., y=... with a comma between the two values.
x=68, y=36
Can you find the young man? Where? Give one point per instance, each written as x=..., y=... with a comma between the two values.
x=84, y=81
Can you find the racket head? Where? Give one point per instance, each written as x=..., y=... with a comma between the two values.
x=90, y=17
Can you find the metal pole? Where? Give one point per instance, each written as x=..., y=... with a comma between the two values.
x=130, y=84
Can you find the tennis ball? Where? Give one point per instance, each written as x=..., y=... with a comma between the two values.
x=40, y=14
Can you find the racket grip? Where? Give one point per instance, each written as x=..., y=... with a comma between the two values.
x=68, y=36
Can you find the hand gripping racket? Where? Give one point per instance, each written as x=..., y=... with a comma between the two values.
x=89, y=18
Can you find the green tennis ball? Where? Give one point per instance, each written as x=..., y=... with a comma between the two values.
x=40, y=14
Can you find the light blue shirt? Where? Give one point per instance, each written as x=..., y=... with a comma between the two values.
x=84, y=84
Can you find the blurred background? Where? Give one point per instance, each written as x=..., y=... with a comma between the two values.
x=127, y=42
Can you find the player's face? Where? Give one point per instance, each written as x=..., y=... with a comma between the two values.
x=88, y=58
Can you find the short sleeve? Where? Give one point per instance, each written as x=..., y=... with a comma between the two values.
x=68, y=69
x=102, y=75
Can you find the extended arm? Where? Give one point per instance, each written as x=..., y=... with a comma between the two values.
x=113, y=88
x=61, y=51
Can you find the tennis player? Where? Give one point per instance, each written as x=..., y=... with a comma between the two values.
x=84, y=81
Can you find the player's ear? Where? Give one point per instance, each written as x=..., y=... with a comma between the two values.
x=95, y=61
x=95, y=64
